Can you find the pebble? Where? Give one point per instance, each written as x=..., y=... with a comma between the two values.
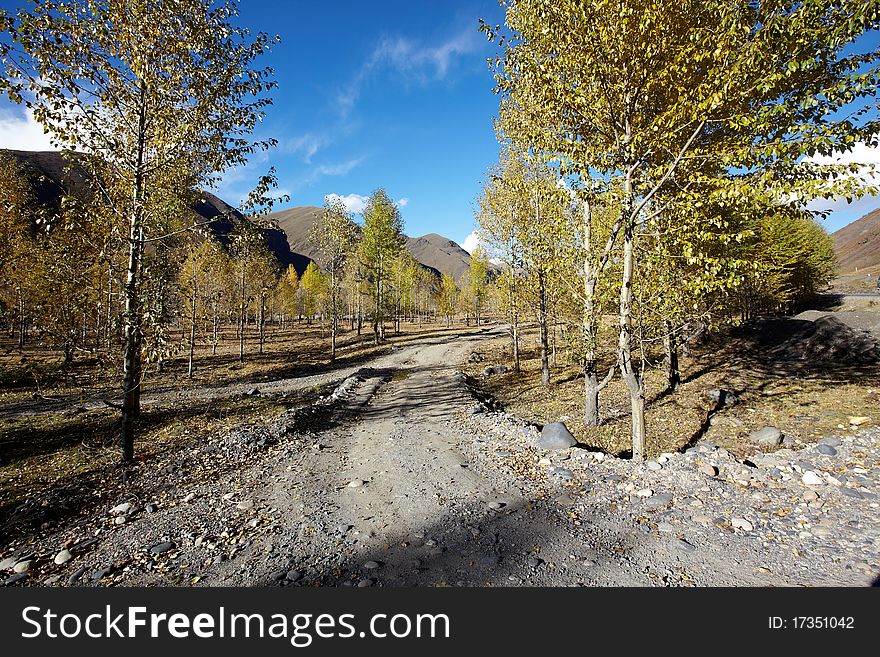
x=63, y=557
x=119, y=520
x=343, y=528
x=831, y=441
x=827, y=450
x=365, y=583
x=150, y=508
x=371, y=565
x=534, y=562
x=768, y=436
x=161, y=548
x=701, y=518
x=190, y=497
x=355, y=483
x=644, y=492
x=661, y=499
x=14, y=579
x=497, y=505
x=8, y=563
x=708, y=470
x=810, y=478
x=245, y=505
x=741, y=523
x=810, y=496
x=125, y=507
x=22, y=566
x=653, y=465
x=293, y=575
x=74, y=578
x=683, y=545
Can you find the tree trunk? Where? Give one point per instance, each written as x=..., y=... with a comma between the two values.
x=192, y=330
x=262, y=321
x=542, y=326
x=131, y=359
x=630, y=373
x=670, y=347
x=241, y=317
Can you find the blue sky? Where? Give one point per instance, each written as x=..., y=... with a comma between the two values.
x=393, y=94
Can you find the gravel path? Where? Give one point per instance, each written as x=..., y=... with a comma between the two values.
x=400, y=479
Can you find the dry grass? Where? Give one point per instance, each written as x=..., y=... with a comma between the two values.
x=806, y=403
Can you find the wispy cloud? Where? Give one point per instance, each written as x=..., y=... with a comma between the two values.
x=20, y=131
x=416, y=61
x=402, y=203
x=307, y=145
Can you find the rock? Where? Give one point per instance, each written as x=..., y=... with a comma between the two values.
x=702, y=519
x=644, y=492
x=22, y=566
x=63, y=557
x=365, y=583
x=8, y=563
x=494, y=371
x=496, y=506
x=150, y=508
x=708, y=470
x=355, y=483
x=74, y=578
x=768, y=436
x=190, y=497
x=477, y=409
x=774, y=473
x=827, y=450
x=722, y=397
x=371, y=565
x=852, y=492
x=810, y=478
x=245, y=505
x=859, y=420
x=653, y=465
x=662, y=499
x=161, y=548
x=544, y=461
x=741, y=523
x=253, y=392
x=535, y=562
x=293, y=575
x=101, y=574
x=556, y=436
x=125, y=507
x=15, y=579
x=119, y=520
x=683, y=545
x=810, y=496
x=343, y=528
x=562, y=473
x=831, y=441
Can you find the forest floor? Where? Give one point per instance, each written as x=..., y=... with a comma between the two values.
x=412, y=467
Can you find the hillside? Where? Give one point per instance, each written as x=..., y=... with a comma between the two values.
x=858, y=244
x=52, y=177
x=437, y=253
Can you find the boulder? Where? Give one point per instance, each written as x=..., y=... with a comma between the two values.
x=768, y=436
x=493, y=371
x=556, y=436
x=722, y=397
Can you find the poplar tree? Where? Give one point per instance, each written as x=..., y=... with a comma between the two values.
x=382, y=241
x=159, y=97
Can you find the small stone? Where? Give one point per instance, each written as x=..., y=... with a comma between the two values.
x=119, y=520
x=355, y=483
x=253, y=392
x=768, y=436
x=497, y=505
x=653, y=465
x=245, y=505
x=150, y=508
x=774, y=473
x=708, y=470
x=545, y=461
x=851, y=492
x=22, y=566
x=161, y=548
x=702, y=519
x=722, y=397
x=831, y=441
x=277, y=575
x=293, y=575
x=659, y=500
x=810, y=478
x=190, y=497
x=8, y=563
x=14, y=579
x=827, y=450
x=555, y=436
x=741, y=523
x=63, y=557
x=343, y=528
x=365, y=583
x=74, y=578
x=535, y=562
x=810, y=496
x=371, y=565
x=683, y=545
x=125, y=507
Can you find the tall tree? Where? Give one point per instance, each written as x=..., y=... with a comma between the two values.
x=381, y=242
x=336, y=237
x=160, y=97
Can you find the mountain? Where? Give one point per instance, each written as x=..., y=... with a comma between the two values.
x=53, y=177
x=857, y=245
x=435, y=252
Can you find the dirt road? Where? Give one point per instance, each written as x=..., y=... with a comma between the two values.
x=400, y=483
